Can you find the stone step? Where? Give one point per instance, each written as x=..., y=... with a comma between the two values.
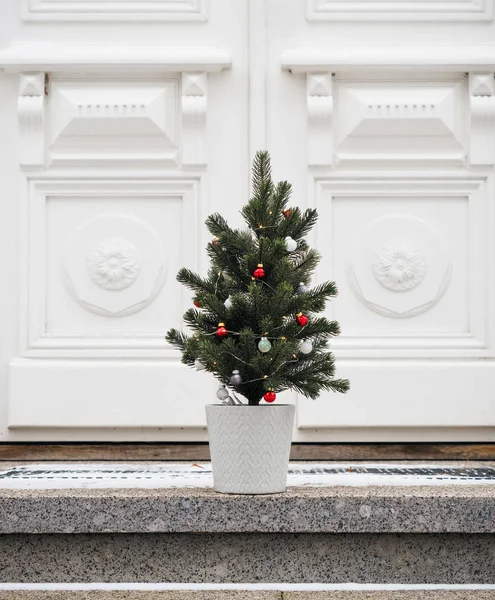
x=251, y=595
x=53, y=529
x=248, y=558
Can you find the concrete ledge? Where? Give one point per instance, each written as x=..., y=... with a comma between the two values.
x=391, y=595
x=365, y=558
x=439, y=509
x=146, y=595
x=251, y=595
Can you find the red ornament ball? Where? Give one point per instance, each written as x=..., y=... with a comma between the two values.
x=221, y=330
x=287, y=213
x=270, y=396
x=197, y=304
x=302, y=319
x=259, y=272
x=215, y=241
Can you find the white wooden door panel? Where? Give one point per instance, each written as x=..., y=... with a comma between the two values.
x=100, y=259
x=398, y=122
x=406, y=395
x=110, y=393
x=114, y=122
x=123, y=141
x=409, y=256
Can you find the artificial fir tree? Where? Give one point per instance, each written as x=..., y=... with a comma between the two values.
x=255, y=324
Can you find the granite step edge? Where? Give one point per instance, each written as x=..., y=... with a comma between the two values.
x=249, y=595
x=450, y=509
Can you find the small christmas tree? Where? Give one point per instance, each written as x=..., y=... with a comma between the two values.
x=254, y=322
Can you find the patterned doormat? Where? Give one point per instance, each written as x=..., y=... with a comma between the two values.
x=106, y=475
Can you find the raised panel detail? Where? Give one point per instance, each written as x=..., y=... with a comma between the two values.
x=100, y=257
x=410, y=399
x=410, y=261
x=399, y=10
x=394, y=121
x=115, y=122
x=113, y=10
x=83, y=394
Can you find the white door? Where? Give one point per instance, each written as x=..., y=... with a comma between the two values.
x=383, y=114
x=123, y=125
x=126, y=123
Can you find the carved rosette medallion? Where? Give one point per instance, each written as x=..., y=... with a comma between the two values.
x=115, y=275
x=399, y=268
x=389, y=260
x=114, y=264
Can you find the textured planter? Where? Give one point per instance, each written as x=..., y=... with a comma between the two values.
x=250, y=447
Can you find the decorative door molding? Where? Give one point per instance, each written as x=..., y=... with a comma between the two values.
x=399, y=10
x=397, y=59
x=114, y=10
x=144, y=106
x=402, y=106
x=67, y=58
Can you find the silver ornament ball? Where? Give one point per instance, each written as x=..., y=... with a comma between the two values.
x=199, y=365
x=235, y=378
x=222, y=393
x=302, y=289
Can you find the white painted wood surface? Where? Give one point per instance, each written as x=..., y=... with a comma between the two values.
x=124, y=124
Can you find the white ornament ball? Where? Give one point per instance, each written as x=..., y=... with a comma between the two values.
x=264, y=345
x=228, y=303
x=306, y=347
x=199, y=365
x=222, y=393
x=290, y=244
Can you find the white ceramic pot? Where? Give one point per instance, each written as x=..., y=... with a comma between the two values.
x=250, y=447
